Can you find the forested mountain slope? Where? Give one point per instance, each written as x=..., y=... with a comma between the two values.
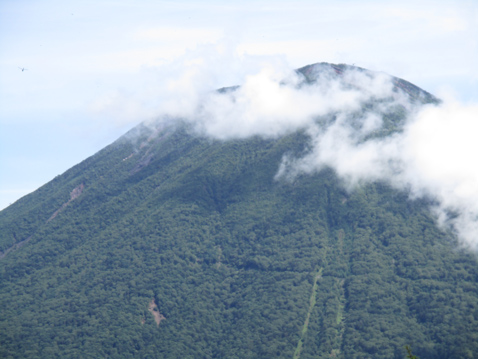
x=168, y=244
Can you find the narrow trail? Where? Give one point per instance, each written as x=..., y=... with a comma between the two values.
x=306, y=322
x=77, y=191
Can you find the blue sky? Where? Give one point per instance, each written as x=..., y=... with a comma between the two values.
x=94, y=69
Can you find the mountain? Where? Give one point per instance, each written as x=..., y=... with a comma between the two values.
x=171, y=244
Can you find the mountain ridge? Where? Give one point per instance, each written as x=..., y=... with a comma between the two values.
x=239, y=262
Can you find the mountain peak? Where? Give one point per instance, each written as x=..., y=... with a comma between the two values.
x=314, y=71
x=170, y=243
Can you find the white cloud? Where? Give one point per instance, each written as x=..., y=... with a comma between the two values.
x=440, y=149
x=273, y=102
x=433, y=156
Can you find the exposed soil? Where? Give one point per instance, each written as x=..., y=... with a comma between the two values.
x=153, y=308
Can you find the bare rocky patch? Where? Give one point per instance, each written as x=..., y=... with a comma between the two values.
x=153, y=308
x=77, y=191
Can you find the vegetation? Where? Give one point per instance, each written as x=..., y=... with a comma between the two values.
x=235, y=263
x=409, y=352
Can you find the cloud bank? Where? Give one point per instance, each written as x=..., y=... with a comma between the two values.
x=275, y=101
x=427, y=150
x=363, y=124
x=432, y=156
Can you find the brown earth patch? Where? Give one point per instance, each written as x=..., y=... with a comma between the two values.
x=153, y=308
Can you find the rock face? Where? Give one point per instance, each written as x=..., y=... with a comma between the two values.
x=167, y=224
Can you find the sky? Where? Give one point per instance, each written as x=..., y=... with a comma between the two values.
x=95, y=69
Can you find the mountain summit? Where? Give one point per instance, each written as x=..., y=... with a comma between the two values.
x=173, y=242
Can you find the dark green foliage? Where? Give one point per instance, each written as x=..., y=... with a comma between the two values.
x=409, y=353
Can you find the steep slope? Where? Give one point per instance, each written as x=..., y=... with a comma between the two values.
x=234, y=263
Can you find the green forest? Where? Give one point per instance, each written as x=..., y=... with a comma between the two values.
x=169, y=245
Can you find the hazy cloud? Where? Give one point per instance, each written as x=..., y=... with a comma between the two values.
x=275, y=101
x=432, y=155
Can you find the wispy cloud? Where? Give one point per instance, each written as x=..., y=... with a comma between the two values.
x=431, y=155
x=275, y=101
